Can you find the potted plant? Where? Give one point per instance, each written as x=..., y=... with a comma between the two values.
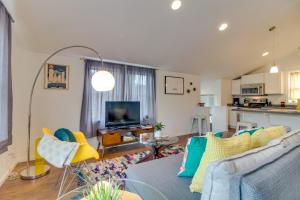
x=103, y=190
x=158, y=127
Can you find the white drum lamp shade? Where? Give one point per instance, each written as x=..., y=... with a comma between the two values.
x=103, y=81
x=274, y=69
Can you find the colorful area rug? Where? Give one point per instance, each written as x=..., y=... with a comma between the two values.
x=170, y=150
x=115, y=168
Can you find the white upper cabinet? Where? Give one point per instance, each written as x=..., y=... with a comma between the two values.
x=236, y=87
x=274, y=83
x=253, y=78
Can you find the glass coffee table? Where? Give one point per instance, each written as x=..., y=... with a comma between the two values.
x=133, y=189
x=157, y=143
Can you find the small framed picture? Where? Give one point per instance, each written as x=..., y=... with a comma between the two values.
x=56, y=76
x=174, y=85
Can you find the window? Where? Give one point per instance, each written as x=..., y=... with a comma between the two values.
x=5, y=79
x=294, y=86
x=132, y=84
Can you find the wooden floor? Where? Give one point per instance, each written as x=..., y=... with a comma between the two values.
x=46, y=188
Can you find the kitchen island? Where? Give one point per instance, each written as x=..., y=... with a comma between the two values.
x=270, y=116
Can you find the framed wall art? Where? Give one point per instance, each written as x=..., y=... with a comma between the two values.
x=56, y=76
x=174, y=85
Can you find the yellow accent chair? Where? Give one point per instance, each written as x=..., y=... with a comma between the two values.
x=85, y=150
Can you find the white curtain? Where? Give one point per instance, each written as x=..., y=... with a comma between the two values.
x=132, y=84
x=93, y=102
x=5, y=80
x=140, y=86
x=294, y=86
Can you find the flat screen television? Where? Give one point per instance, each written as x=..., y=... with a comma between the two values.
x=122, y=113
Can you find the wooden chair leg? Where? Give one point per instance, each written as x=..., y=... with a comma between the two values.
x=102, y=153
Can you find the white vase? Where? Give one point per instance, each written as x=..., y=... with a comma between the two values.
x=157, y=133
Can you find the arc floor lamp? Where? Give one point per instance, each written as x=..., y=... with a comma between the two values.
x=101, y=81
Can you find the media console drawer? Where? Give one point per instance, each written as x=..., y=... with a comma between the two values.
x=111, y=139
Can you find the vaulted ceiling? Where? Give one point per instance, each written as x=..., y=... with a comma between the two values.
x=149, y=32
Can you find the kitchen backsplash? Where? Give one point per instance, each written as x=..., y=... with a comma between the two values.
x=275, y=99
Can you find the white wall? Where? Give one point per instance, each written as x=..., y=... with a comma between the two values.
x=220, y=88
x=51, y=108
x=226, y=96
x=176, y=111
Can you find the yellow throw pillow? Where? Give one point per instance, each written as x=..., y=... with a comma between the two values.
x=263, y=136
x=218, y=149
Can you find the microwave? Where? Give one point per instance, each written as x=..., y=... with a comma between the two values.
x=253, y=89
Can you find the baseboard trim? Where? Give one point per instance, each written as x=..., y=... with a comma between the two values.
x=5, y=176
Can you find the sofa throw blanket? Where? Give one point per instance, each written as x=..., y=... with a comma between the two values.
x=57, y=153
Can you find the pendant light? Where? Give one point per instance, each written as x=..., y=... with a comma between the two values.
x=103, y=81
x=274, y=67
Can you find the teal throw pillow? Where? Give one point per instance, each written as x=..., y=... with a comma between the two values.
x=192, y=156
x=219, y=134
x=250, y=131
x=64, y=134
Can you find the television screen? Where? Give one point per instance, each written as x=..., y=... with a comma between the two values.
x=122, y=113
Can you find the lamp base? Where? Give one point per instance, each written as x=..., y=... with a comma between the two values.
x=34, y=172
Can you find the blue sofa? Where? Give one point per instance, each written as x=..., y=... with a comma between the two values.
x=271, y=172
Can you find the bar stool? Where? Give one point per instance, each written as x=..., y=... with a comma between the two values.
x=245, y=125
x=203, y=124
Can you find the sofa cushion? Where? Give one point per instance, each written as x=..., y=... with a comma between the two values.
x=217, y=149
x=218, y=174
x=276, y=178
x=161, y=174
x=194, y=150
x=263, y=136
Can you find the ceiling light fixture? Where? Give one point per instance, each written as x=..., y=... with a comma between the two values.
x=265, y=53
x=223, y=27
x=176, y=4
x=274, y=67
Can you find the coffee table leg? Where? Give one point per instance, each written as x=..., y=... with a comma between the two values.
x=103, y=151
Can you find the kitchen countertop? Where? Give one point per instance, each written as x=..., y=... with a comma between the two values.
x=274, y=110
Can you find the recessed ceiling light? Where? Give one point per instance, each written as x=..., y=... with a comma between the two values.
x=223, y=27
x=176, y=4
x=265, y=53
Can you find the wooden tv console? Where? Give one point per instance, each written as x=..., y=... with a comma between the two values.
x=114, y=137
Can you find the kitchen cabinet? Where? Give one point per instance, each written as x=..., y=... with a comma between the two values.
x=236, y=87
x=253, y=78
x=232, y=117
x=274, y=83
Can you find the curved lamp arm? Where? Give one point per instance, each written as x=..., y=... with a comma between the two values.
x=33, y=86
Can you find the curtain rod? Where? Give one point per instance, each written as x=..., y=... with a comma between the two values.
x=119, y=62
x=10, y=16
